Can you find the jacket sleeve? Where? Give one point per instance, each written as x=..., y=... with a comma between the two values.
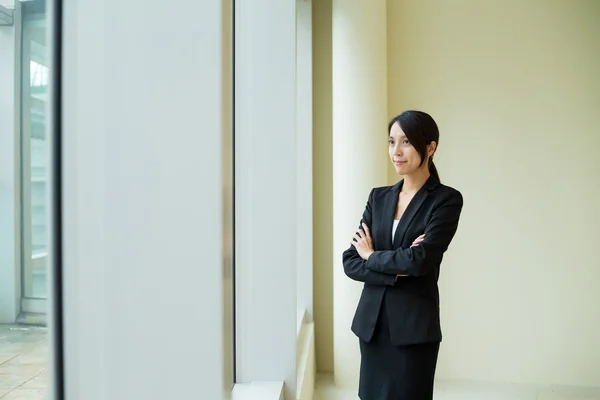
x=355, y=266
x=418, y=260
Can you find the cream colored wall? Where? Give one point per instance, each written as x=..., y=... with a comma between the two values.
x=515, y=88
x=323, y=186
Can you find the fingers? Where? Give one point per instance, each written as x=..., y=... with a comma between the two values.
x=361, y=233
x=418, y=241
x=366, y=229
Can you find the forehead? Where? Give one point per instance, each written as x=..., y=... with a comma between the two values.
x=396, y=131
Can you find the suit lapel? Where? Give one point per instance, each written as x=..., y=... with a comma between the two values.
x=387, y=216
x=410, y=212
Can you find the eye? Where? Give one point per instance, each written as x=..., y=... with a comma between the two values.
x=406, y=142
x=391, y=142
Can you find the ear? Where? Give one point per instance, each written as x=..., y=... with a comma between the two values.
x=431, y=147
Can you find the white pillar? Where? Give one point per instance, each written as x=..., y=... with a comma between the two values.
x=145, y=187
x=266, y=186
x=359, y=75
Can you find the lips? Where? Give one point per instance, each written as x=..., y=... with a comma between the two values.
x=399, y=163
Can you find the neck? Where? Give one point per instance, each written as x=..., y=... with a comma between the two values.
x=414, y=182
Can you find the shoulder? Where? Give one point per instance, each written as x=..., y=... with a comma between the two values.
x=447, y=195
x=380, y=192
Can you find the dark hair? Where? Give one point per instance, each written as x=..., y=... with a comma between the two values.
x=420, y=130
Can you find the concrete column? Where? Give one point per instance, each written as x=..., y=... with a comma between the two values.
x=359, y=75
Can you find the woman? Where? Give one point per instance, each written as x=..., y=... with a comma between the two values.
x=397, y=252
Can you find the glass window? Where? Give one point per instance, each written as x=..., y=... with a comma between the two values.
x=34, y=158
x=24, y=77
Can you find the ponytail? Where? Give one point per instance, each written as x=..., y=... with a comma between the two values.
x=433, y=170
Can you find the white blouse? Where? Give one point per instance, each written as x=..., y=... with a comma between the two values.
x=396, y=221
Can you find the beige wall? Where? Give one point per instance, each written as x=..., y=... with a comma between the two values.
x=323, y=186
x=515, y=88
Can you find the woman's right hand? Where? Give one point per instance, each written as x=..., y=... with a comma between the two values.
x=416, y=242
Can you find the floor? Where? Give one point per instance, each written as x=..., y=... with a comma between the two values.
x=325, y=390
x=24, y=376
x=23, y=363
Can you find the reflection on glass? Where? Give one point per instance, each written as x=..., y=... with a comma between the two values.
x=24, y=359
x=34, y=96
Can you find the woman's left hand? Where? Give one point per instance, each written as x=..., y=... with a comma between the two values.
x=363, y=242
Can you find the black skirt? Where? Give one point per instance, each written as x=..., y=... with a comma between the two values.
x=389, y=372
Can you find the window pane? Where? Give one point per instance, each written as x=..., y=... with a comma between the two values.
x=24, y=345
x=34, y=95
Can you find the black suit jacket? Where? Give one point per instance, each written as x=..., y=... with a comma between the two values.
x=412, y=302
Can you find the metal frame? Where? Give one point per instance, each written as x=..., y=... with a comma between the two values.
x=228, y=167
x=54, y=136
x=18, y=26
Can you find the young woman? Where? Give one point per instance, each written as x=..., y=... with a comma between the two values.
x=397, y=252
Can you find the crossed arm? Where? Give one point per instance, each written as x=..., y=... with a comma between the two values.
x=363, y=264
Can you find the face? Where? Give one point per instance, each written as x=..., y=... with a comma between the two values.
x=404, y=156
